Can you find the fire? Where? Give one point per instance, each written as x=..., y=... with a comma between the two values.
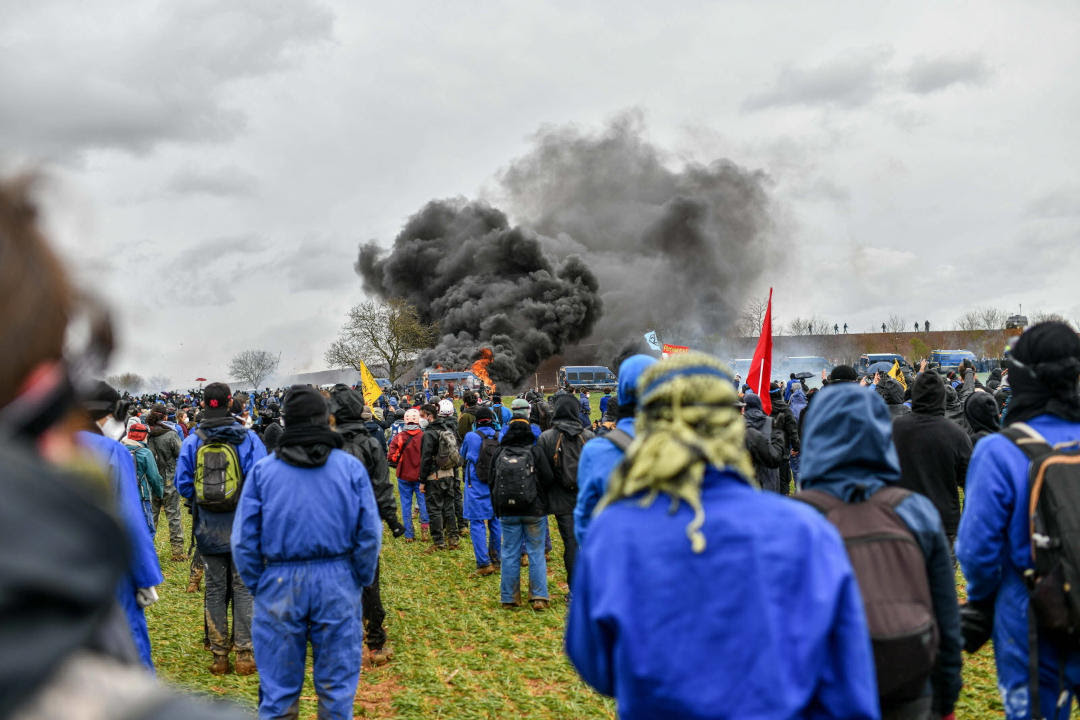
x=479, y=368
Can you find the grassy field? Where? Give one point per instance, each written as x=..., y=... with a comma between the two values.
x=458, y=654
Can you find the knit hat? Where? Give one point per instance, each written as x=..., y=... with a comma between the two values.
x=483, y=415
x=687, y=420
x=304, y=405
x=843, y=373
x=100, y=400
x=520, y=408
x=137, y=432
x=446, y=408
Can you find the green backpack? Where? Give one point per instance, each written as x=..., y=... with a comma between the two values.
x=218, y=476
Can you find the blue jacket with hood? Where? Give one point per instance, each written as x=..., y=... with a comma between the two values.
x=766, y=622
x=848, y=452
x=477, y=502
x=994, y=548
x=600, y=456
x=212, y=529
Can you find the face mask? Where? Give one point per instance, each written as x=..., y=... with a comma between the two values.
x=423, y=423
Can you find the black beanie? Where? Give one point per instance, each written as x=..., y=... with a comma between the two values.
x=304, y=405
x=100, y=400
x=483, y=415
x=843, y=373
x=1043, y=374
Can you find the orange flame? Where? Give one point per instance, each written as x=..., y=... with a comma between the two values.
x=479, y=368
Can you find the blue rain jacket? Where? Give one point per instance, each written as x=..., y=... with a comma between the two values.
x=994, y=549
x=212, y=529
x=599, y=456
x=477, y=504
x=306, y=541
x=145, y=570
x=848, y=452
x=766, y=622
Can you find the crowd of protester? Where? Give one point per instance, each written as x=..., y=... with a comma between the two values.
x=697, y=588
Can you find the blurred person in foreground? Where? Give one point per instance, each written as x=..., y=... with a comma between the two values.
x=708, y=630
x=65, y=648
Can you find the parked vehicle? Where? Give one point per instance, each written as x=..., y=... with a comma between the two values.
x=866, y=361
x=950, y=359
x=590, y=377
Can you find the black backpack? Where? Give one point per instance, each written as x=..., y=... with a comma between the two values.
x=1054, y=524
x=366, y=449
x=488, y=447
x=566, y=457
x=514, y=487
x=891, y=570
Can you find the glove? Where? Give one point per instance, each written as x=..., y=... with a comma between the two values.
x=976, y=623
x=397, y=529
x=145, y=597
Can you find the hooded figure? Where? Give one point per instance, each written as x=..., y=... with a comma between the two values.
x=934, y=451
x=164, y=443
x=766, y=443
x=892, y=392
x=982, y=414
x=848, y=453
x=707, y=630
x=994, y=543
x=562, y=445
x=306, y=542
x=600, y=455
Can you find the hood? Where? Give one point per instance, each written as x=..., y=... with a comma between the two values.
x=567, y=417
x=519, y=432
x=753, y=414
x=891, y=391
x=629, y=372
x=778, y=404
x=928, y=394
x=847, y=446
x=798, y=403
x=981, y=410
x=305, y=456
x=353, y=429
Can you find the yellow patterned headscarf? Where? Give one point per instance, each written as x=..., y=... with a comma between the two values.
x=688, y=418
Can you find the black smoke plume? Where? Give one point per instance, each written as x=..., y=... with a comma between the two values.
x=605, y=222
x=485, y=284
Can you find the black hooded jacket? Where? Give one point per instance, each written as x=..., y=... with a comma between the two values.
x=782, y=416
x=981, y=410
x=519, y=433
x=934, y=451
x=892, y=392
x=561, y=494
x=765, y=441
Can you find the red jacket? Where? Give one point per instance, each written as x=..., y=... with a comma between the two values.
x=404, y=454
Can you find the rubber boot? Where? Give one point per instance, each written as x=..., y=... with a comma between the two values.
x=195, y=580
x=245, y=662
x=220, y=666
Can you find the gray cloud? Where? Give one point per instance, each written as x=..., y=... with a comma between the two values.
x=156, y=77
x=1057, y=204
x=928, y=75
x=214, y=252
x=849, y=81
x=225, y=181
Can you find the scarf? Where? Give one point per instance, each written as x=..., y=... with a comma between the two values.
x=307, y=445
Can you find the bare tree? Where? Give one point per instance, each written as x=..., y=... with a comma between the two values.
x=969, y=321
x=388, y=334
x=752, y=316
x=129, y=381
x=991, y=318
x=253, y=366
x=157, y=382
x=896, y=323
x=1041, y=317
x=808, y=326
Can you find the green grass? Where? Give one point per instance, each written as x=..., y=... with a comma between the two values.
x=458, y=654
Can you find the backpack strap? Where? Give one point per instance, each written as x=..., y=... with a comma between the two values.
x=1028, y=439
x=823, y=502
x=201, y=434
x=619, y=438
x=890, y=496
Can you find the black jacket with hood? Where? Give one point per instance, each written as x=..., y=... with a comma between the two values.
x=892, y=392
x=766, y=450
x=519, y=434
x=934, y=451
x=561, y=493
x=782, y=416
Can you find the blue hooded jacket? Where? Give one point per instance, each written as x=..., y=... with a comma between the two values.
x=477, y=501
x=145, y=570
x=599, y=456
x=212, y=529
x=848, y=452
x=766, y=622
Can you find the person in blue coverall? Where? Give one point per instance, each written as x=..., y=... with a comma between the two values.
x=213, y=529
x=993, y=542
x=600, y=455
x=713, y=599
x=306, y=541
x=848, y=453
x=136, y=589
x=483, y=525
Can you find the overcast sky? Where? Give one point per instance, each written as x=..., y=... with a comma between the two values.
x=221, y=161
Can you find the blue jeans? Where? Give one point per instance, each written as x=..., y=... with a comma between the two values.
x=486, y=536
x=407, y=489
x=516, y=533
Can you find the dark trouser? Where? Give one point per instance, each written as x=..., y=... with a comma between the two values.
x=171, y=503
x=221, y=577
x=459, y=503
x=784, y=486
x=569, y=555
x=913, y=710
x=439, y=494
x=371, y=599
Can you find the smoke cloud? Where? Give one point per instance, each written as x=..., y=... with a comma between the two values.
x=605, y=223
x=487, y=285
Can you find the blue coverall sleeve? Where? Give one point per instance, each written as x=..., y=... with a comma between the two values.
x=253, y=453
x=246, y=537
x=365, y=552
x=982, y=537
x=185, y=467
x=590, y=490
x=145, y=568
x=590, y=642
x=848, y=683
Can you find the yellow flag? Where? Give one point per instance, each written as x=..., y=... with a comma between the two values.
x=371, y=389
x=895, y=374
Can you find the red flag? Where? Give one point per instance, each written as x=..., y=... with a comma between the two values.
x=760, y=374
